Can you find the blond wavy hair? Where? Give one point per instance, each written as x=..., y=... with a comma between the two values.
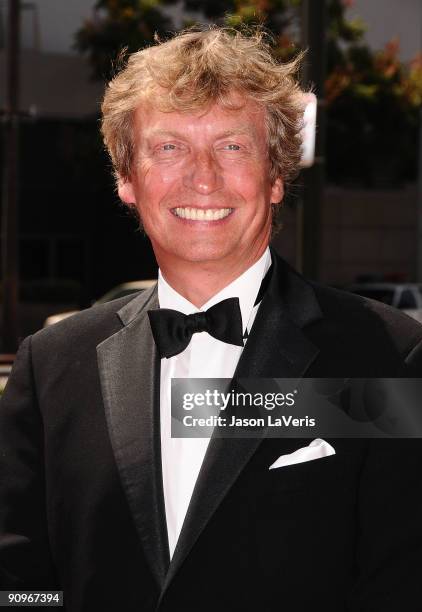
x=196, y=68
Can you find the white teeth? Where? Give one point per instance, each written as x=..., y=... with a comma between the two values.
x=199, y=214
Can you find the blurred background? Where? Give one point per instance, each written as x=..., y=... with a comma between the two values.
x=353, y=219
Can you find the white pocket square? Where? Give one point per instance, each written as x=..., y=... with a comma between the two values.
x=317, y=448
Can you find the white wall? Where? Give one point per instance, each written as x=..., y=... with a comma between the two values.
x=56, y=21
x=387, y=19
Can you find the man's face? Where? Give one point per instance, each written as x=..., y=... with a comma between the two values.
x=201, y=185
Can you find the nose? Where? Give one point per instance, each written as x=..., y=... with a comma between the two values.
x=203, y=174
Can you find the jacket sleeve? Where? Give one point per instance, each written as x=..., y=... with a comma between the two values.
x=25, y=561
x=389, y=511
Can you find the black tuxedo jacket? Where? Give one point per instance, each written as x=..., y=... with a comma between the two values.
x=81, y=500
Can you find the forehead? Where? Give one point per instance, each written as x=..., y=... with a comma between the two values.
x=247, y=118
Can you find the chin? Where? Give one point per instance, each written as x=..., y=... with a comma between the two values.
x=203, y=253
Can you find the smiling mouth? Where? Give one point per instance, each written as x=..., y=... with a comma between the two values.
x=201, y=214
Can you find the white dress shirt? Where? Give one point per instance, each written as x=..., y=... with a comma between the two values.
x=204, y=357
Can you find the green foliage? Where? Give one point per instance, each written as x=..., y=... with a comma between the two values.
x=132, y=24
x=373, y=101
x=117, y=25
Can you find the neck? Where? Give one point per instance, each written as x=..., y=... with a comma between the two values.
x=198, y=282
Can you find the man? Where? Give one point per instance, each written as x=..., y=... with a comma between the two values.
x=97, y=499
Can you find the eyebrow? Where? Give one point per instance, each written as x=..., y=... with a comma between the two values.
x=243, y=130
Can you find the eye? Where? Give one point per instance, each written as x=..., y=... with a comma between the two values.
x=168, y=150
x=232, y=147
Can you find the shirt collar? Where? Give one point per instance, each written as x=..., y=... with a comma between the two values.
x=245, y=287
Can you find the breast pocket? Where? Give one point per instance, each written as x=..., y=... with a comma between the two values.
x=317, y=481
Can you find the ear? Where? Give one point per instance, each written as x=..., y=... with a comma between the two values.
x=126, y=191
x=277, y=191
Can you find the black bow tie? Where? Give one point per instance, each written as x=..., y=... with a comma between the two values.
x=172, y=330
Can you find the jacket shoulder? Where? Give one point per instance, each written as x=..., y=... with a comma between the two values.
x=368, y=320
x=83, y=329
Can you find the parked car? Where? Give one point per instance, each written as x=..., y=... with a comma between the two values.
x=405, y=296
x=113, y=294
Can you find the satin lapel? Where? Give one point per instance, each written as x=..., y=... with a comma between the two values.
x=276, y=348
x=130, y=374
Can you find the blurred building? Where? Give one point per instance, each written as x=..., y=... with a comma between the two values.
x=71, y=226
x=54, y=85
x=74, y=242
